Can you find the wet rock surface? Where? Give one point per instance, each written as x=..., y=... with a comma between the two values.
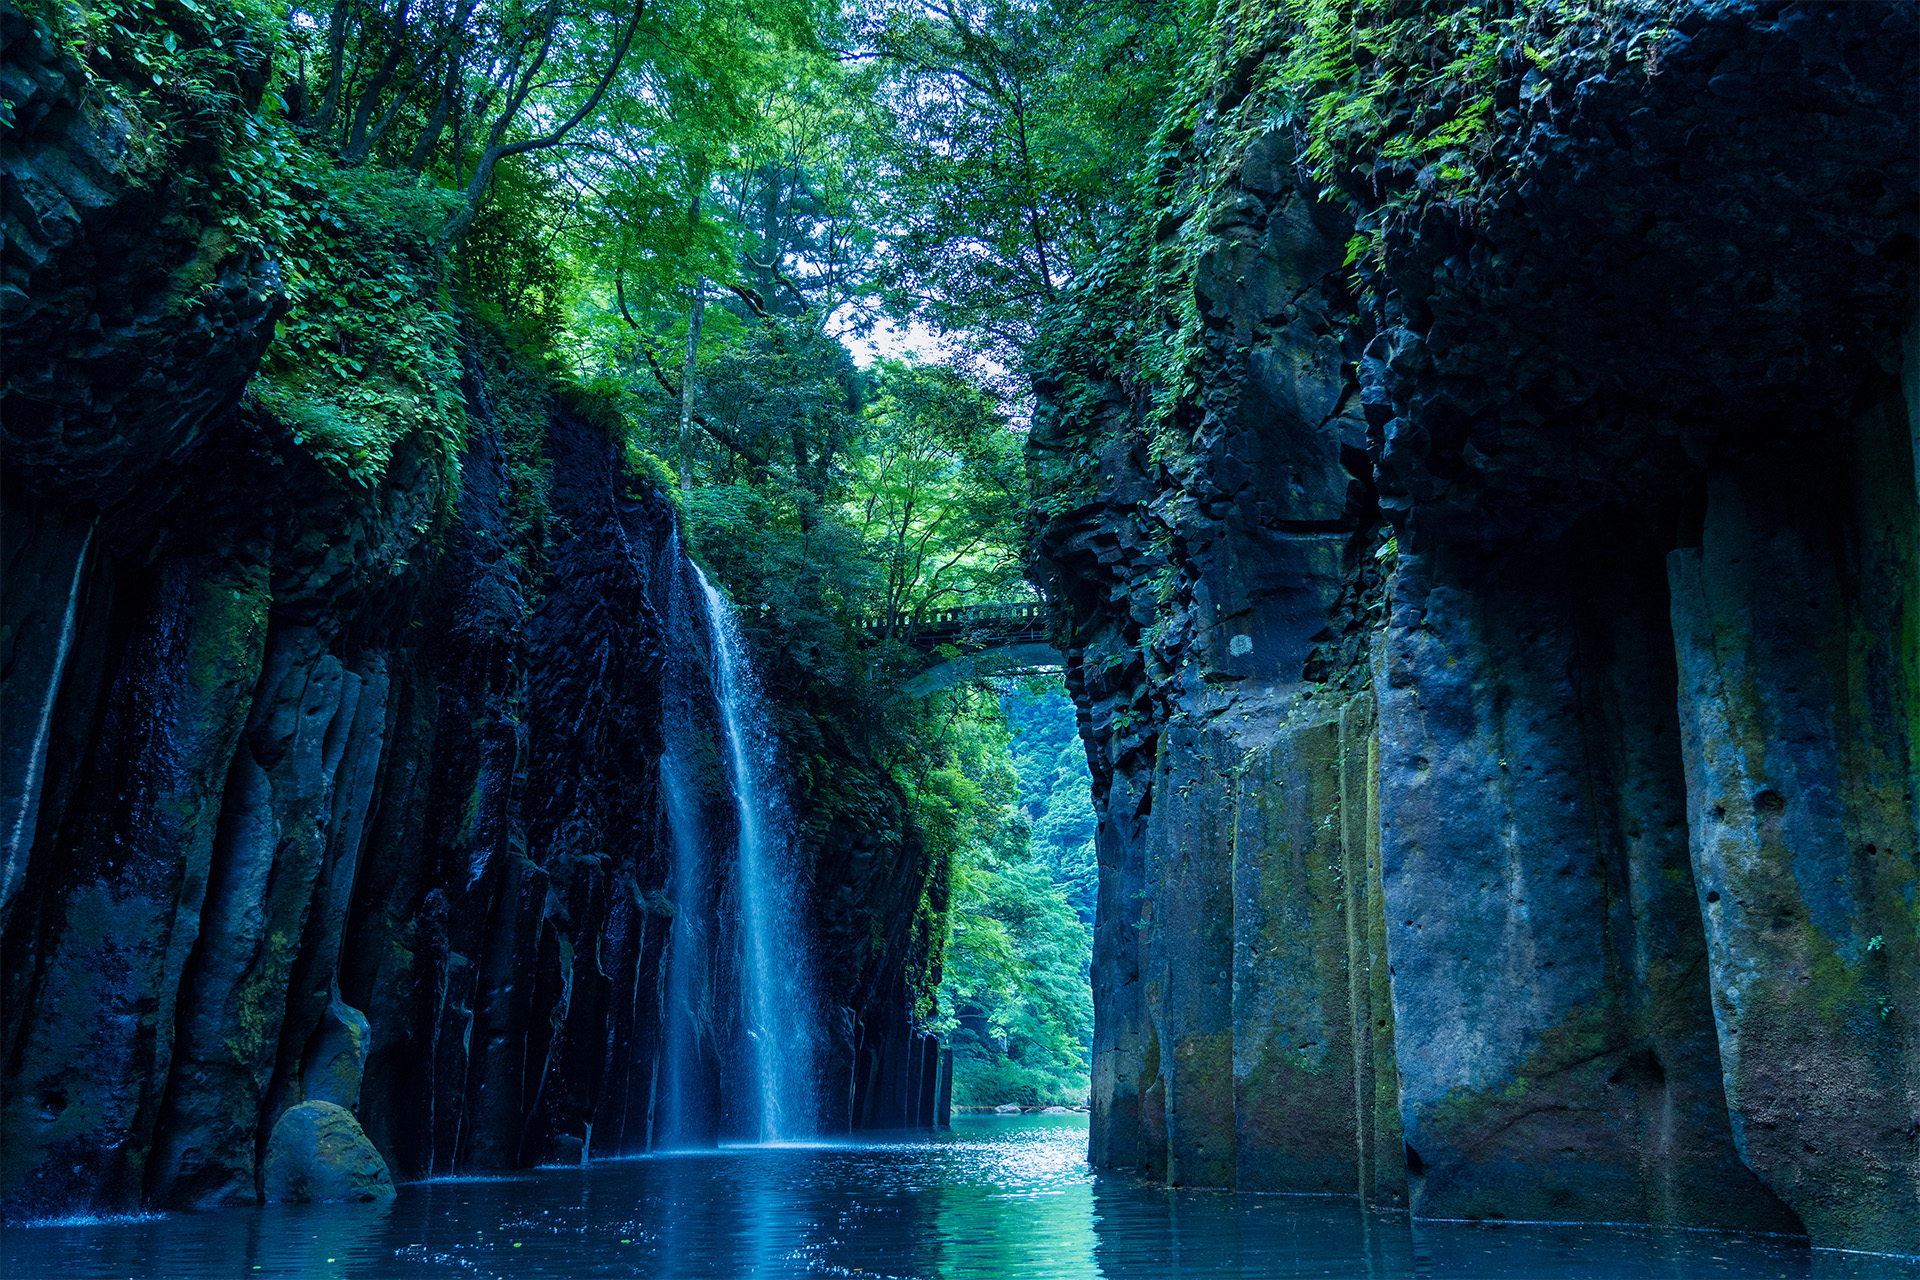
x=317, y=1154
x=335, y=849
x=133, y=318
x=1500, y=691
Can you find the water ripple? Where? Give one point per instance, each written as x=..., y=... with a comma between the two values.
x=995, y=1198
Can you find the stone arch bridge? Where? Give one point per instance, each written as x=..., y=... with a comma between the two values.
x=968, y=641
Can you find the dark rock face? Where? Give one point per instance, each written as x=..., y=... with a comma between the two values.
x=1797, y=643
x=400, y=850
x=330, y=809
x=878, y=893
x=1238, y=960
x=132, y=321
x=1680, y=263
x=1557, y=1051
x=1502, y=700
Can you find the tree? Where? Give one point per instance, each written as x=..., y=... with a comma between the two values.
x=1014, y=996
x=1015, y=127
x=803, y=191
x=505, y=80
x=937, y=492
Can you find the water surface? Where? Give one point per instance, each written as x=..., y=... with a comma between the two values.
x=993, y=1198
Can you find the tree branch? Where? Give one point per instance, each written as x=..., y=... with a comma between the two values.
x=719, y=433
x=498, y=150
x=755, y=303
x=773, y=269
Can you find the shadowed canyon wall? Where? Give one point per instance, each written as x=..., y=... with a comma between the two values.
x=324, y=790
x=1501, y=662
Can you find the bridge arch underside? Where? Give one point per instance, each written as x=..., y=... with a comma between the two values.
x=1021, y=657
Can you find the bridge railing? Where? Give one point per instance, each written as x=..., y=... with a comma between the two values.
x=1022, y=615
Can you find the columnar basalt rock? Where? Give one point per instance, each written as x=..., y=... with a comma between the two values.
x=325, y=797
x=1503, y=676
x=1797, y=645
x=110, y=904
x=1233, y=805
x=132, y=317
x=1555, y=1037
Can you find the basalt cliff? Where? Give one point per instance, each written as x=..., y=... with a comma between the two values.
x=341, y=788
x=1499, y=653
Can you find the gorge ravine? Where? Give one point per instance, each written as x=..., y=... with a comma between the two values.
x=1499, y=662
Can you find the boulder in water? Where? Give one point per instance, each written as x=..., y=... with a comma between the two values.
x=318, y=1152
x=1007, y=1109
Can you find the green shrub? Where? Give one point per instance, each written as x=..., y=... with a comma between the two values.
x=368, y=354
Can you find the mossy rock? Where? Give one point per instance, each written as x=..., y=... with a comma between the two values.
x=319, y=1153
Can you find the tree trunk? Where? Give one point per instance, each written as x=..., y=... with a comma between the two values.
x=694, y=317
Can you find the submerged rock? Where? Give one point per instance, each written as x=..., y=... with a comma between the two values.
x=318, y=1153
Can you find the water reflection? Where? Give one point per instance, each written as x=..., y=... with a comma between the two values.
x=996, y=1198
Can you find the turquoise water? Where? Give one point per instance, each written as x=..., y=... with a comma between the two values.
x=994, y=1198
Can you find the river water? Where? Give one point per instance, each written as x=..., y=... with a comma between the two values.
x=1002, y=1198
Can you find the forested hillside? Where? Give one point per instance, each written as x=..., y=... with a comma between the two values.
x=1015, y=1003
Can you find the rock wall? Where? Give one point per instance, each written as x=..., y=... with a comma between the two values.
x=326, y=797
x=1500, y=672
x=395, y=848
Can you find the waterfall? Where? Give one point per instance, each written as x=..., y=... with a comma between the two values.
x=775, y=967
x=675, y=1122
x=761, y=933
x=685, y=1111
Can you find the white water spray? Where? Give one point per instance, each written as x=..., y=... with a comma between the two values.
x=776, y=967
x=672, y=1123
x=673, y=1118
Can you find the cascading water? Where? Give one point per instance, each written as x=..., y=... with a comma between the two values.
x=686, y=1108
x=775, y=966
x=676, y=1119
x=673, y=1124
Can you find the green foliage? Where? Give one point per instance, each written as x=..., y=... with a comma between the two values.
x=798, y=590
x=824, y=501
x=935, y=491
x=368, y=352
x=1014, y=126
x=1056, y=787
x=1014, y=998
x=182, y=65
x=1389, y=553
x=599, y=401
x=799, y=195
x=1397, y=101
x=1393, y=104
x=509, y=267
